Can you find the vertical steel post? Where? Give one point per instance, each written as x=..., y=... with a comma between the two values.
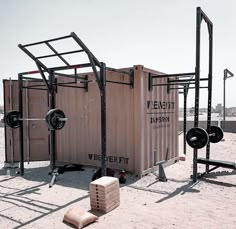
x=197, y=82
x=52, y=132
x=227, y=74
x=103, y=117
x=11, y=130
x=210, y=31
x=21, y=139
x=27, y=122
x=185, y=117
x=5, y=130
x=150, y=81
x=224, y=96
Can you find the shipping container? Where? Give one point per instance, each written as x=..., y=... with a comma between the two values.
x=142, y=125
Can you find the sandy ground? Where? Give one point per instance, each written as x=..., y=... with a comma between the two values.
x=27, y=202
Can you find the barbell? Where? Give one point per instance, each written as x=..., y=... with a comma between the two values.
x=197, y=137
x=55, y=119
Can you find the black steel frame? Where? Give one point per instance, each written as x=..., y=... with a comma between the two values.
x=202, y=16
x=51, y=85
x=188, y=79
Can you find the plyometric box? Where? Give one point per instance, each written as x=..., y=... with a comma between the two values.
x=142, y=125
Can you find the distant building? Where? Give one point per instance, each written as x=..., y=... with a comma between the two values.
x=203, y=110
x=219, y=109
x=1, y=109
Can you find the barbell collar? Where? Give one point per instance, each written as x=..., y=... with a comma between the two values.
x=193, y=139
x=212, y=134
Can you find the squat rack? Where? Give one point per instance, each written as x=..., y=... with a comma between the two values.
x=51, y=84
x=184, y=82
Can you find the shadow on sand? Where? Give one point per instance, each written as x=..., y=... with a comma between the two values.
x=73, y=179
x=18, y=198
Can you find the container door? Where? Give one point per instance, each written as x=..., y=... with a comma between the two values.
x=35, y=104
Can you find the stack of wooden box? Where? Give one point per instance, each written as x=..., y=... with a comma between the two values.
x=104, y=194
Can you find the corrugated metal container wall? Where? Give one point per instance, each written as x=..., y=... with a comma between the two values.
x=159, y=122
x=141, y=125
x=35, y=105
x=80, y=140
x=156, y=120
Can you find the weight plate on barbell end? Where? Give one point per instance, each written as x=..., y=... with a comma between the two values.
x=197, y=138
x=53, y=119
x=218, y=134
x=11, y=119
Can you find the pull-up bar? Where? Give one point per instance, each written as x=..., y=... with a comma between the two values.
x=174, y=75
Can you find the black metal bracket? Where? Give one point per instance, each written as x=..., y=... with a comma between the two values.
x=131, y=78
x=170, y=81
x=130, y=74
x=150, y=81
x=227, y=74
x=86, y=83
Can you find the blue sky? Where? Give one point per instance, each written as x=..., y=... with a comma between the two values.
x=155, y=33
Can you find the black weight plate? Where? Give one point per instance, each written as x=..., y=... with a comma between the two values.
x=217, y=136
x=197, y=138
x=52, y=119
x=11, y=119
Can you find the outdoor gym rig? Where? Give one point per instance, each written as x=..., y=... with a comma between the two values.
x=48, y=82
x=197, y=137
x=184, y=82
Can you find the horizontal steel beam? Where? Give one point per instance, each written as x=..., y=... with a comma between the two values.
x=174, y=75
x=69, y=76
x=62, y=53
x=117, y=70
x=188, y=80
x=109, y=81
x=50, y=40
x=60, y=68
x=177, y=88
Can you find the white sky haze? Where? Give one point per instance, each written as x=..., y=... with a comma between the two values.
x=159, y=34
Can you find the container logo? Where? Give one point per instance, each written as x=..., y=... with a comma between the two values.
x=160, y=113
x=160, y=105
x=110, y=159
